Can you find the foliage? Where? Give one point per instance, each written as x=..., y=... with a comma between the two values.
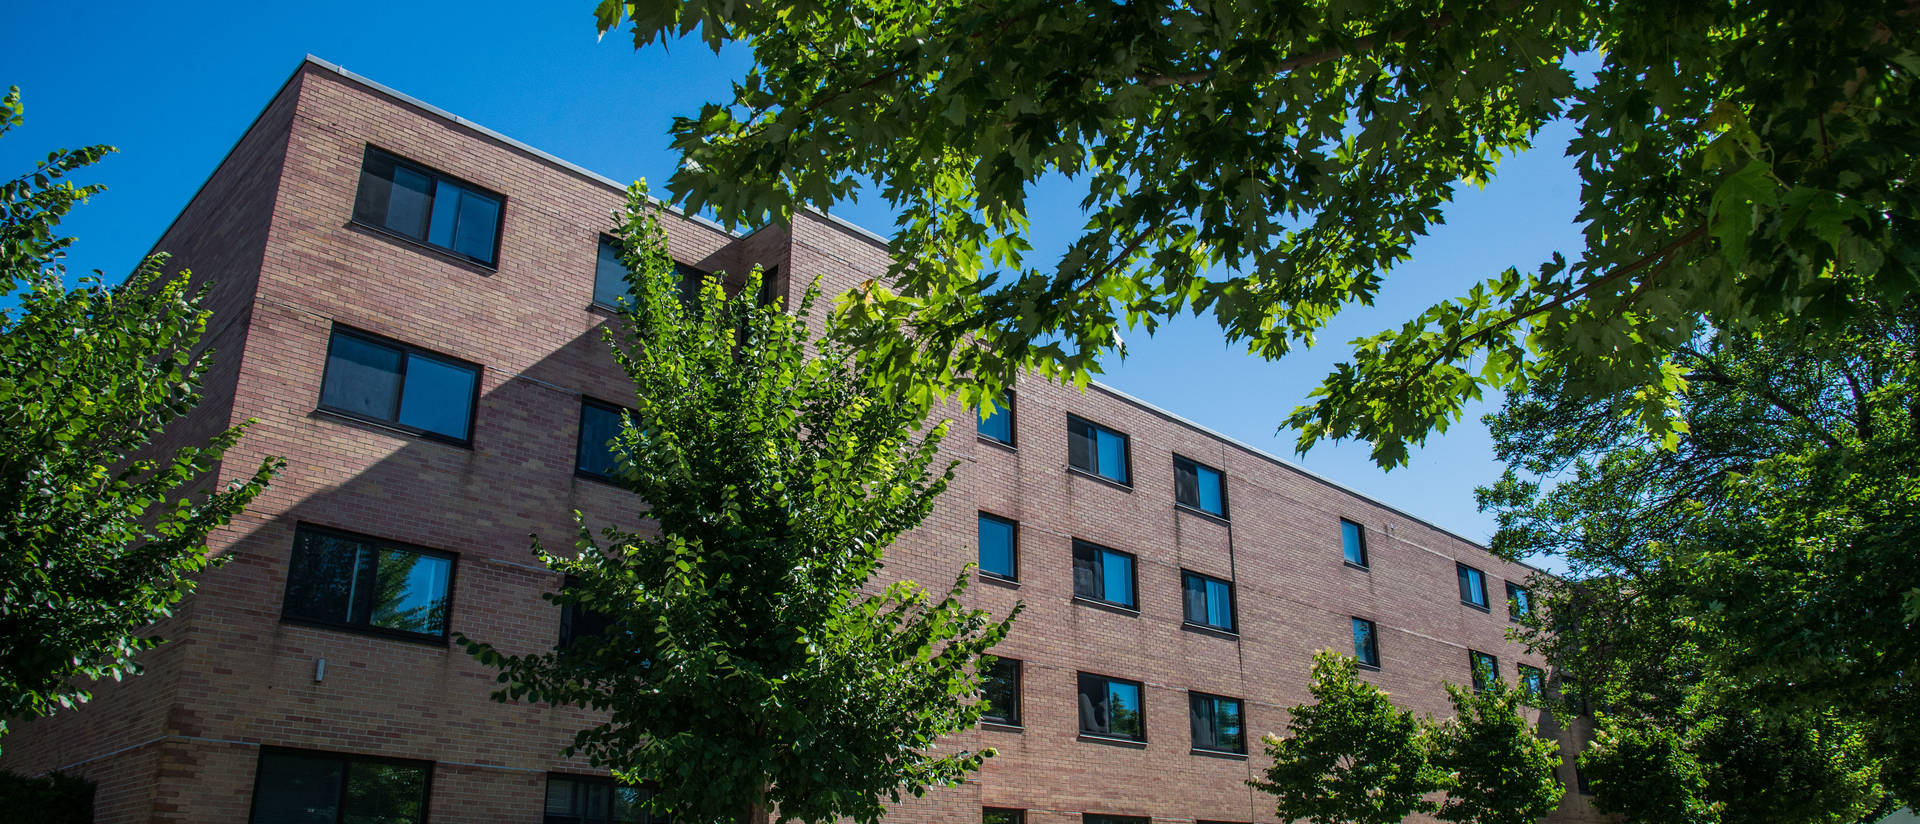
x=750, y=664
x=1495, y=768
x=1350, y=757
x=1647, y=775
x=1743, y=164
x=55, y=798
x=103, y=529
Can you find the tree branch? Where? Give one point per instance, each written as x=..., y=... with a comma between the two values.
x=1359, y=46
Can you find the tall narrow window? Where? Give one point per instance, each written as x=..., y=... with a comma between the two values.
x=1486, y=670
x=1209, y=601
x=1000, y=685
x=1519, y=602
x=367, y=584
x=1111, y=707
x=1366, y=643
x=296, y=787
x=1533, y=682
x=1353, y=539
x=999, y=547
x=1102, y=574
x=1473, y=586
x=998, y=424
x=1097, y=450
x=398, y=385
x=1216, y=722
x=610, y=277
x=1198, y=486
x=416, y=202
x=597, y=455
x=580, y=799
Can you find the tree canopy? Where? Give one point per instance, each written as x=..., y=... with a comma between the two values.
x=1751, y=164
x=750, y=665
x=1351, y=756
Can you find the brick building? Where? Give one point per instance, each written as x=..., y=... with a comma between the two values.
x=406, y=304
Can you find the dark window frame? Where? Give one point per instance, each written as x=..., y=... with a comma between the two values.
x=1360, y=530
x=1011, y=407
x=1225, y=506
x=398, y=160
x=1475, y=671
x=1110, y=818
x=1196, y=695
x=1094, y=471
x=1233, y=602
x=1525, y=685
x=1133, y=585
x=407, y=350
x=1140, y=689
x=573, y=614
x=1373, y=642
x=1015, y=815
x=453, y=572
x=580, y=436
x=1464, y=573
x=686, y=271
x=601, y=781
x=346, y=759
x=1019, y=689
x=1515, y=612
x=1013, y=549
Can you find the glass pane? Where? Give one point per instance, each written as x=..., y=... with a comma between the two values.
x=609, y=275
x=408, y=202
x=1125, y=711
x=1211, y=498
x=1196, y=592
x=363, y=377
x=446, y=213
x=990, y=815
x=996, y=546
x=1080, y=445
x=1354, y=542
x=322, y=576
x=1118, y=582
x=438, y=396
x=599, y=426
x=385, y=794
x=561, y=799
x=1363, y=646
x=410, y=591
x=1093, y=704
x=1113, y=456
x=629, y=805
x=1087, y=576
x=479, y=223
x=998, y=424
x=1200, y=721
x=1220, y=605
x=297, y=789
x=1000, y=686
x=1186, y=483
x=1226, y=725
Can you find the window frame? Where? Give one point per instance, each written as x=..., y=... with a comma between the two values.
x=1233, y=602
x=1514, y=611
x=1195, y=696
x=1524, y=670
x=1225, y=506
x=572, y=614
x=1126, y=442
x=1019, y=684
x=1492, y=670
x=346, y=760
x=1140, y=689
x=1373, y=642
x=602, y=781
x=407, y=351
x=1133, y=584
x=686, y=271
x=500, y=224
x=1011, y=407
x=580, y=437
x=453, y=571
x=1016, y=815
x=1463, y=573
x=1013, y=549
x=1112, y=818
x=1360, y=540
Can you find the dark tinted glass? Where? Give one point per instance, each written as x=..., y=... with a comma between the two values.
x=1366, y=648
x=1094, y=818
x=609, y=274
x=998, y=424
x=1081, y=445
x=380, y=793
x=1102, y=574
x=1354, y=541
x=1486, y=669
x=410, y=591
x=1199, y=487
x=322, y=576
x=1209, y=601
x=295, y=788
x=997, y=546
x=600, y=424
x=400, y=385
x=1473, y=585
x=363, y=377
x=1216, y=723
x=994, y=815
x=1000, y=685
x=1111, y=707
x=427, y=206
x=577, y=622
x=355, y=581
x=1096, y=449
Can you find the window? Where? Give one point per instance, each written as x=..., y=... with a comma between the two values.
x=1095, y=449
x=999, y=815
x=610, y=277
x=1216, y=723
x=1000, y=685
x=1533, y=681
x=596, y=456
x=1102, y=574
x=1486, y=670
x=1473, y=586
x=1199, y=487
x=1519, y=601
x=998, y=424
x=578, y=622
x=579, y=799
x=1096, y=818
x=1366, y=643
x=1111, y=707
x=355, y=582
x=1353, y=539
x=294, y=787
x=1209, y=601
x=999, y=543
x=399, y=385
x=416, y=202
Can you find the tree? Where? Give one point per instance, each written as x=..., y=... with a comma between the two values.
x=1742, y=163
x=1350, y=757
x=750, y=665
x=1494, y=766
x=103, y=529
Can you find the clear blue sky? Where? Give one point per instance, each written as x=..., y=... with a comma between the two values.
x=173, y=85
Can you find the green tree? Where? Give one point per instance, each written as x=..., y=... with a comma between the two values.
x=1647, y=775
x=1350, y=757
x=102, y=528
x=1494, y=766
x=1742, y=163
x=751, y=666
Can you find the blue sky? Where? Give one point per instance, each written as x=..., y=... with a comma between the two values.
x=174, y=85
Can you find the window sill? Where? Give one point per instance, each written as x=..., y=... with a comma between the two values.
x=442, y=641
x=1074, y=470
x=997, y=580
x=1476, y=607
x=1129, y=743
x=996, y=725
x=1352, y=565
x=1109, y=606
x=598, y=308
x=449, y=255
x=1194, y=510
x=1220, y=754
x=1216, y=632
x=996, y=443
x=384, y=426
x=1366, y=667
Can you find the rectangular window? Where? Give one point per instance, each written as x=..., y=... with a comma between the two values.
x=416, y=202
x=1519, y=601
x=580, y=799
x=1533, y=682
x=1001, y=815
x=1097, y=818
x=1095, y=449
x=1366, y=643
x=1102, y=574
x=999, y=547
x=610, y=277
x=1353, y=539
x=1473, y=586
x=357, y=582
x=578, y=622
x=596, y=455
x=998, y=424
x=1486, y=669
x=1217, y=724
x=1111, y=707
x=1000, y=685
x=399, y=385
x=1199, y=487
x=1209, y=601
x=294, y=787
